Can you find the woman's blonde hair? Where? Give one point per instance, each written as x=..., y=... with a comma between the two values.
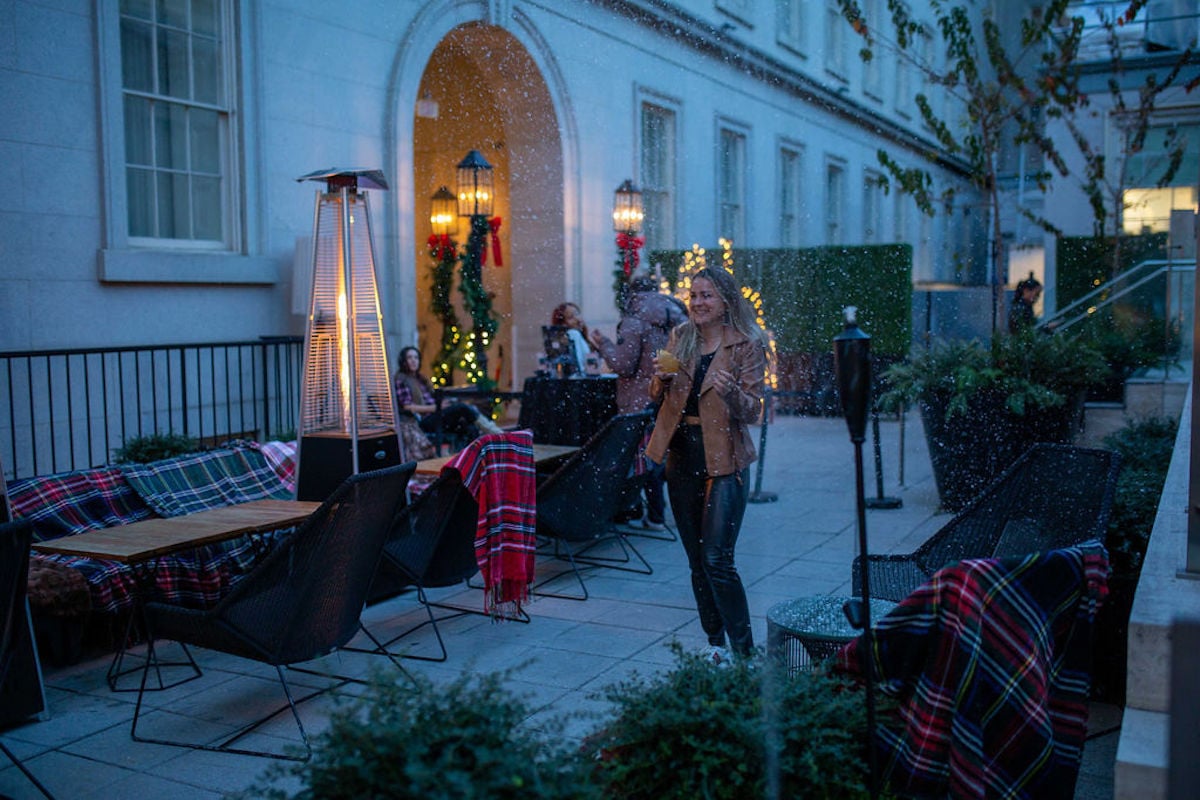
x=738, y=313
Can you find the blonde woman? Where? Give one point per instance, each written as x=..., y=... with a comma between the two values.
x=710, y=383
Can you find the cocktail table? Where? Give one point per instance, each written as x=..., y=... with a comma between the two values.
x=804, y=632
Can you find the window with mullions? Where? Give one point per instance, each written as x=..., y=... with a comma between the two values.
x=835, y=198
x=176, y=120
x=789, y=23
x=790, y=196
x=658, y=176
x=731, y=186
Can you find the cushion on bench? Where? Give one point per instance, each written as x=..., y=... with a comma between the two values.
x=199, y=481
x=74, y=502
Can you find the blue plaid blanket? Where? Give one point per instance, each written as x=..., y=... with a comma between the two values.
x=200, y=481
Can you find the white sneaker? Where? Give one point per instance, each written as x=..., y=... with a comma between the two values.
x=718, y=656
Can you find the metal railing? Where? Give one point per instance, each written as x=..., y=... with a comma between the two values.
x=70, y=409
x=1158, y=288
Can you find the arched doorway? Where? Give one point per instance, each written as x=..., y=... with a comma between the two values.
x=491, y=97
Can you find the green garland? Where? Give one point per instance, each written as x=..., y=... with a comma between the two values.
x=478, y=303
x=444, y=252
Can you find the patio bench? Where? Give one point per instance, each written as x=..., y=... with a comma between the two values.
x=64, y=591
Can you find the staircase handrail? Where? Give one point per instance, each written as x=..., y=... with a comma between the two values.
x=1063, y=319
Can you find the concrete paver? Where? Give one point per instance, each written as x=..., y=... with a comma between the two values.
x=570, y=651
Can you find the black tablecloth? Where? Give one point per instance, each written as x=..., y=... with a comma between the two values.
x=567, y=410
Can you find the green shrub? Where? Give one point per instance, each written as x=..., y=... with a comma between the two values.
x=704, y=732
x=1029, y=370
x=156, y=446
x=468, y=740
x=1145, y=447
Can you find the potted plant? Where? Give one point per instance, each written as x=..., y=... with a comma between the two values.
x=982, y=406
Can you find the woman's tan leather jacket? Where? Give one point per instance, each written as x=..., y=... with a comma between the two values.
x=724, y=421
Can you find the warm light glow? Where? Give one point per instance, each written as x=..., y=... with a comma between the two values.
x=344, y=356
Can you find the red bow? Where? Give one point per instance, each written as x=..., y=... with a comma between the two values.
x=494, y=224
x=441, y=247
x=629, y=245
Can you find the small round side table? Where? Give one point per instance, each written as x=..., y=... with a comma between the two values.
x=806, y=631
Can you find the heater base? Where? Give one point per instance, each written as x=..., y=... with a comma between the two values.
x=325, y=460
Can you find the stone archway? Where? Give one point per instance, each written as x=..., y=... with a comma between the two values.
x=491, y=97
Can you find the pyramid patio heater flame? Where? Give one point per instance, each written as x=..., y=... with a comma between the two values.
x=347, y=424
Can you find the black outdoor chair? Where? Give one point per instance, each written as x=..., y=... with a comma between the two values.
x=1053, y=496
x=432, y=546
x=301, y=602
x=15, y=538
x=575, y=505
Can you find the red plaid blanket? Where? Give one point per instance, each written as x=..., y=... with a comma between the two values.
x=990, y=662
x=498, y=471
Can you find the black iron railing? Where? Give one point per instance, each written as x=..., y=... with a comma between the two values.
x=70, y=409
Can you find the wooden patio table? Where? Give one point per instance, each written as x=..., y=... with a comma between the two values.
x=140, y=542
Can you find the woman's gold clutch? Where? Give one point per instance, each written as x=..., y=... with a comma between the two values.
x=667, y=361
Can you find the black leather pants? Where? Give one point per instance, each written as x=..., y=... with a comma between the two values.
x=708, y=514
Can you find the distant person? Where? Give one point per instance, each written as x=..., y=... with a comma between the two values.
x=1020, y=313
x=644, y=328
x=414, y=396
x=567, y=315
x=710, y=381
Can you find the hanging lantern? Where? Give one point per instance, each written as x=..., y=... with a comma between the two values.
x=474, y=182
x=628, y=212
x=443, y=212
x=347, y=422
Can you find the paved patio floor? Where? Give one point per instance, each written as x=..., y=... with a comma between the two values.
x=800, y=545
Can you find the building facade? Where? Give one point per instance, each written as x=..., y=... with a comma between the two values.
x=152, y=151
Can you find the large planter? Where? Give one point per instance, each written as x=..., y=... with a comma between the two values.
x=968, y=451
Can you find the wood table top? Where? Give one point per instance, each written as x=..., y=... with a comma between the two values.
x=151, y=538
x=541, y=454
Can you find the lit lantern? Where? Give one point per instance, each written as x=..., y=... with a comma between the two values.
x=443, y=212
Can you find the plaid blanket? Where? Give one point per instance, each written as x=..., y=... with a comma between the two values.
x=989, y=662
x=282, y=458
x=74, y=502
x=199, y=481
x=498, y=471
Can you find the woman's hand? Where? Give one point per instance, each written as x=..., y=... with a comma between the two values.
x=597, y=339
x=660, y=373
x=724, y=381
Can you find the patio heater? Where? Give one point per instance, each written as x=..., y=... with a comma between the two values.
x=347, y=423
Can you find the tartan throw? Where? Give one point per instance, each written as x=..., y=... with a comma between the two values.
x=282, y=458
x=498, y=471
x=200, y=481
x=990, y=665
x=73, y=502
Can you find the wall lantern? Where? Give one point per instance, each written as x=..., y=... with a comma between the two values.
x=628, y=212
x=443, y=212
x=474, y=184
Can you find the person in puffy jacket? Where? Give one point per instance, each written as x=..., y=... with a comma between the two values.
x=643, y=330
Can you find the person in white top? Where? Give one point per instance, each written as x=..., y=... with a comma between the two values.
x=567, y=315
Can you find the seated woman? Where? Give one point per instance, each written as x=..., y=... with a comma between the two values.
x=414, y=396
x=567, y=315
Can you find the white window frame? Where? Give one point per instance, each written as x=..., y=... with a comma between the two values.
x=835, y=200
x=790, y=30
x=732, y=181
x=790, y=176
x=741, y=10
x=872, y=71
x=872, y=214
x=658, y=174
x=235, y=260
x=835, y=39
x=903, y=75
